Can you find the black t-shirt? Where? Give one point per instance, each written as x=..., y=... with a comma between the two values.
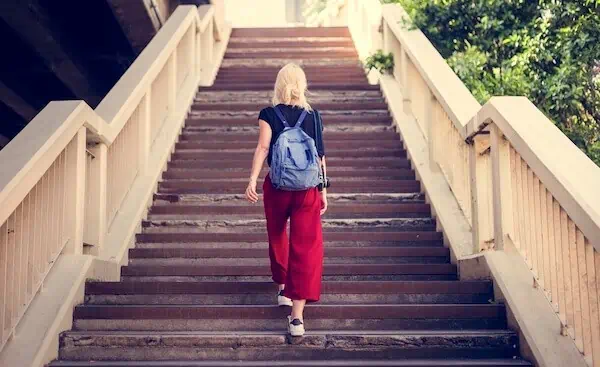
x=292, y=114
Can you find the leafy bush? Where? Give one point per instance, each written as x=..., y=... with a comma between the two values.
x=547, y=50
x=380, y=61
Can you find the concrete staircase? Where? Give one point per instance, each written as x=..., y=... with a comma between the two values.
x=197, y=289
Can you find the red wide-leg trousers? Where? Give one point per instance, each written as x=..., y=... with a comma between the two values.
x=296, y=262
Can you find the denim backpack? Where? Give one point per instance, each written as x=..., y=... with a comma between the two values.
x=295, y=161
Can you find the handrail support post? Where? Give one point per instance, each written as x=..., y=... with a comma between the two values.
x=501, y=186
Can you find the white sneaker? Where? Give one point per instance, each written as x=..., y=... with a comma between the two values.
x=295, y=327
x=283, y=300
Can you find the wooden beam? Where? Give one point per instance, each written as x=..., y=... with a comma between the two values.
x=137, y=20
x=18, y=104
x=27, y=18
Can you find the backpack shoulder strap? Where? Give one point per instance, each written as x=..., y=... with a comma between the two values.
x=281, y=117
x=301, y=119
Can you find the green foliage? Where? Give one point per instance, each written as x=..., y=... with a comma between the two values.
x=380, y=61
x=547, y=50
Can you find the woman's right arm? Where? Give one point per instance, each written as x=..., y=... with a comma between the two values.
x=260, y=154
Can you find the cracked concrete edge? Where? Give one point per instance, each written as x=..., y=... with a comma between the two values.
x=530, y=313
x=445, y=208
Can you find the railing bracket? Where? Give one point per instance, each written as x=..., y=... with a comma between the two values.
x=471, y=138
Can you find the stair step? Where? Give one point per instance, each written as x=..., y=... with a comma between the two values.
x=360, y=163
x=293, y=52
x=198, y=120
x=285, y=32
x=406, y=210
x=375, y=173
x=264, y=245
x=334, y=145
x=184, y=252
x=259, y=270
x=239, y=199
x=178, y=318
x=266, y=96
x=272, y=78
x=312, y=363
x=240, y=154
x=102, y=346
x=268, y=43
x=257, y=106
x=322, y=63
x=262, y=293
x=241, y=85
x=200, y=288
x=240, y=72
x=251, y=226
x=425, y=236
x=355, y=186
x=263, y=318
x=332, y=136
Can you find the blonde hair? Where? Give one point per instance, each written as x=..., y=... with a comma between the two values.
x=290, y=87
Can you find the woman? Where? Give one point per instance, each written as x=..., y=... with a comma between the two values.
x=297, y=262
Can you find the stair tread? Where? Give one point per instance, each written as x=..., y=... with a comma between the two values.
x=370, y=287
x=313, y=363
x=385, y=312
x=458, y=333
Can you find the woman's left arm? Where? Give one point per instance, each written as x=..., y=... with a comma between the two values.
x=324, y=192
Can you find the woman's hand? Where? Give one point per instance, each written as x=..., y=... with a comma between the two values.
x=323, y=202
x=251, y=194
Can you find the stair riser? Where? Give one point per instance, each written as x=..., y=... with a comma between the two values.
x=268, y=287
x=313, y=312
x=185, y=252
x=260, y=270
x=279, y=324
x=231, y=107
x=339, y=200
x=309, y=67
x=376, y=174
x=190, y=186
x=294, y=55
x=224, y=155
x=266, y=278
x=337, y=100
x=357, y=78
x=269, y=299
x=387, y=210
x=265, y=261
x=332, y=137
x=259, y=225
x=314, y=86
x=195, y=120
x=361, y=236
x=332, y=146
x=418, y=362
x=290, y=32
x=340, y=188
x=331, y=214
x=312, y=73
x=346, y=163
x=234, y=44
x=192, y=353
x=263, y=245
